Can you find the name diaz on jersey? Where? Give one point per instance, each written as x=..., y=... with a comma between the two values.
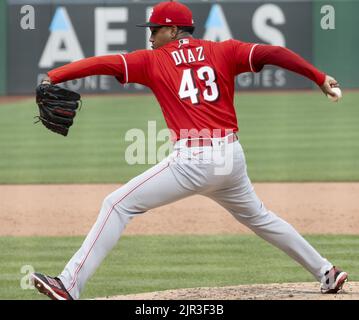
x=188, y=55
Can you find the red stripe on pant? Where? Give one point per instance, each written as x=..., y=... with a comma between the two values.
x=103, y=225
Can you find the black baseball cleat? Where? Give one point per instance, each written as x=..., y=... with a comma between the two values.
x=333, y=280
x=51, y=287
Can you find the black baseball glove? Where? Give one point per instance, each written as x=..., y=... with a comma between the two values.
x=57, y=107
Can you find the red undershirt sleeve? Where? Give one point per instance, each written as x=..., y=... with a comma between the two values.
x=284, y=58
x=112, y=65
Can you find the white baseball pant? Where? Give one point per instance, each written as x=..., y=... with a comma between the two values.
x=218, y=172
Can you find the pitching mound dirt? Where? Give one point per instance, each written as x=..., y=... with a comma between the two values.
x=312, y=208
x=274, y=291
x=14, y=99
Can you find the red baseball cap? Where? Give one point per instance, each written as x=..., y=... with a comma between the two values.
x=169, y=13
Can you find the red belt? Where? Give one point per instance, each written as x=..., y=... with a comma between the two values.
x=207, y=142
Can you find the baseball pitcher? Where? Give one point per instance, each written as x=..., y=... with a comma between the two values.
x=193, y=81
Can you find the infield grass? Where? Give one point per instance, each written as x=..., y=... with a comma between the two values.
x=151, y=263
x=286, y=136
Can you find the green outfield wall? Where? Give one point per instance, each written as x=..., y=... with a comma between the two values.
x=84, y=28
x=3, y=26
x=336, y=51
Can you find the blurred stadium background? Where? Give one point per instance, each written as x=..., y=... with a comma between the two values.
x=297, y=130
x=290, y=132
x=324, y=32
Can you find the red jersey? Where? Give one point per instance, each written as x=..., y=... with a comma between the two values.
x=193, y=81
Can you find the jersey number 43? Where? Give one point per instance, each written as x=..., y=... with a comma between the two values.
x=189, y=90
